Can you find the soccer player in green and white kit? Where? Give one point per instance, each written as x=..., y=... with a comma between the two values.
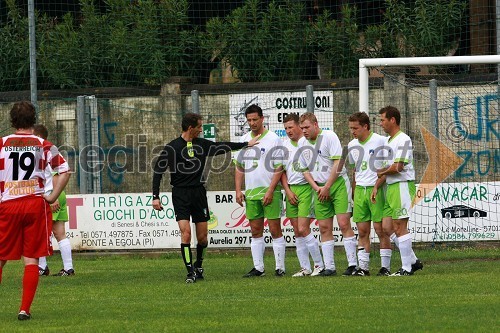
x=299, y=200
x=366, y=154
x=59, y=218
x=261, y=169
x=321, y=158
x=400, y=179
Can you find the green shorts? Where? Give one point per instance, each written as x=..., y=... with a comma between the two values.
x=339, y=203
x=363, y=208
x=62, y=214
x=256, y=210
x=303, y=208
x=399, y=199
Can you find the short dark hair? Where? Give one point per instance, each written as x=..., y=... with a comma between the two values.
x=254, y=108
x=291, y=117
x=23, y=115
x=361, y=117
x=190, y=119
x=41, y=131
x=391, y=112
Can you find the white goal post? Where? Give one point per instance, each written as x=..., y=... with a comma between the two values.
x=365, y=64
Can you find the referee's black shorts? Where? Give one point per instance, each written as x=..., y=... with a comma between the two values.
x=190, y=202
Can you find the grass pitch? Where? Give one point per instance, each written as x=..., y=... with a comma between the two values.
x=458, y=291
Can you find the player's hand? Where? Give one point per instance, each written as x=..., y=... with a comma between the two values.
x=373, y=196
x=268, y=198
x=254, y=141
x=323, y=193
x=50, y=198
x=240, y=198
x=292, y=198
x=157, y=204
x=54, y=207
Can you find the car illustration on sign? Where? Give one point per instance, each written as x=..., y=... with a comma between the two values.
x=461, y=211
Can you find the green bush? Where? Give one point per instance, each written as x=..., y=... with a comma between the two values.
x=262, y=44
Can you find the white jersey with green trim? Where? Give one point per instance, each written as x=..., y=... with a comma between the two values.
x=318, y=156
x=400, y=149
x=291, y=162
x=259, y=162
x=367, y=157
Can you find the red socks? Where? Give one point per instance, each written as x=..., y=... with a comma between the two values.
x=30, y=283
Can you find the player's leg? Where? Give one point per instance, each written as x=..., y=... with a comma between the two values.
x=273, y=214
x=342, y=206
x=201, y=246
x=400, y=196
x=362, y=216
x=181, y=200
x=364, y=229
x=59, y=232
x=200, y=215
x=43, y=268
x=300, y=249
x=30, y=285
x=36, y=243
x=292, y=213
x=305, y=194
x=324, y=214
x=385, y=249
x=187, y=257
x=255, y=214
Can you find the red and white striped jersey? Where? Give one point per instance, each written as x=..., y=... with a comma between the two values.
x=25, y=165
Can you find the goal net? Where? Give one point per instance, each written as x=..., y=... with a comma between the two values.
x=453, y=120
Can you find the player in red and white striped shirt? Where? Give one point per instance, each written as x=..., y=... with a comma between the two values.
x=25, y=215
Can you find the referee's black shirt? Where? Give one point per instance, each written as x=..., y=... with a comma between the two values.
x=187, y=171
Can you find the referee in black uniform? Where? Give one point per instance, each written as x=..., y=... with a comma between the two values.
x=185, y=157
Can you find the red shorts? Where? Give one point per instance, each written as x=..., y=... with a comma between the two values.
x=25, y=228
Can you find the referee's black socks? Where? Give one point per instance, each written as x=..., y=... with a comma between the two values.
x=200, y=254
x=187, y=256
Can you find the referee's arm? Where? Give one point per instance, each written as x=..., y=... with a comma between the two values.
x=163, y=162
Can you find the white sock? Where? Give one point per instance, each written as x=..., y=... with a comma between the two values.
x=42, y=262
x=328, y=254
x=350, y=250
x=394, y=239
x=279, y=248
x=65, y=248
x=302, y=253
x=405, y=251
x=258, y=247
x=385, y=258
x=364, y=259
x=313, y=247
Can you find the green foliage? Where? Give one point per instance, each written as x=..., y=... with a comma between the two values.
x=14, y=50
x=262, y=44
x=422, y=27
x=149, y=41
x=337, y=43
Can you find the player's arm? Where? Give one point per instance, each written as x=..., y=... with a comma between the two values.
x=353, y=183
x=292, y=197
x=219, y=148
x=163, y=162
x=59, y=165
x=55, y=206
x=324, y=191
x=239, y=176
x=268, y=196
x=380, y=181
x=58, y=187
x=310, y=180
x=393, y=169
